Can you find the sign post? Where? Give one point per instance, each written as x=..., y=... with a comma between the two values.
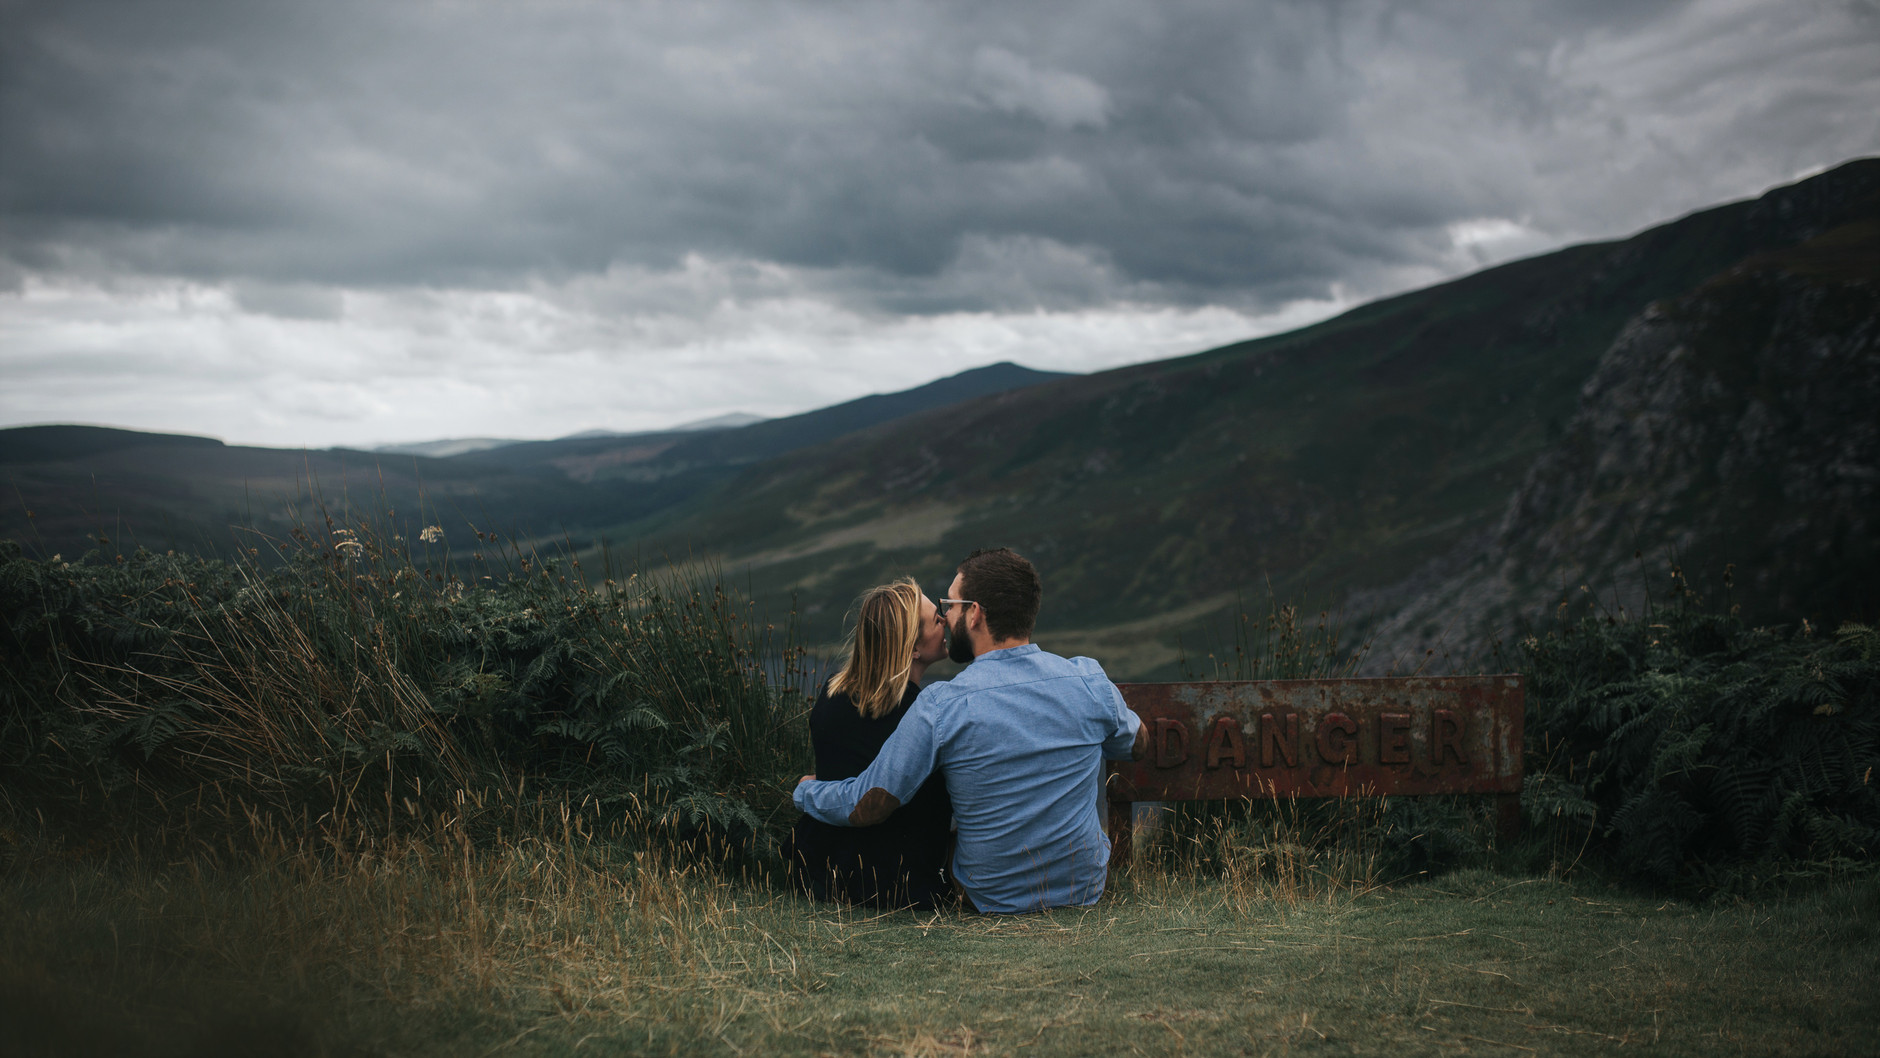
x=1322, y=738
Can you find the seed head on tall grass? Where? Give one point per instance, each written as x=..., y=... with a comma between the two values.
x=1280, y=849
x=1283, y=643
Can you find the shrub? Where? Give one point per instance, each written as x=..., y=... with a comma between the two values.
x=360, y=681
x=1700, y=751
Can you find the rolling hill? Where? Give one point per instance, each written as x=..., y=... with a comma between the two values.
x=650, y=457
x=71, y=487
x=74, y=485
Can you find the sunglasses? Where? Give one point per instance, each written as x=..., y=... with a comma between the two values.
x=944, y=604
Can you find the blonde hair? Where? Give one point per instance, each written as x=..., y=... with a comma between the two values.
x=881, y=648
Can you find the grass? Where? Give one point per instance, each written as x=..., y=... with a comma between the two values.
x=574, y=944
x=229, y=826
x=570, y=901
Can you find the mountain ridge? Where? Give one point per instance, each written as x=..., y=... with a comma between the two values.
x=1325, y=461
x=1369, y=461
x=78, y=484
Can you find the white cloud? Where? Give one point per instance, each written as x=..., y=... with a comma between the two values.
x=358, y=221
x=542, y=363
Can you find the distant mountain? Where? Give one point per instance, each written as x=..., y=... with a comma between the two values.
x=728, y=421
x=770, y=439
x=1331, y=462
x=698, y=456
x=458, y=446
x=75, y=484
x=455, y=446
x=32, y=444
x=69, y=489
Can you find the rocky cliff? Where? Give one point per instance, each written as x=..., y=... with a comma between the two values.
x=1737, y=425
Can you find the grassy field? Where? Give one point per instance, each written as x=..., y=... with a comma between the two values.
x=575, y=946
x=228, y=825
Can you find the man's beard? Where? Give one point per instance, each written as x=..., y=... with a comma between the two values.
x=959, y=645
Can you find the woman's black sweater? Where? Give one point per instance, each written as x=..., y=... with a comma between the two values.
x=896, y=863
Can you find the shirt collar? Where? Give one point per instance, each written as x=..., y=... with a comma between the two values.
x=1007, y=654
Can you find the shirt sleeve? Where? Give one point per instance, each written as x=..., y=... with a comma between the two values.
x=1120, y=742
x=905, y=761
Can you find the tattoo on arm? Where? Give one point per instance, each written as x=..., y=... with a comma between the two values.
x=875, y=806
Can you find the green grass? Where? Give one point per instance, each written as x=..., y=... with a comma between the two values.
x=572, y=946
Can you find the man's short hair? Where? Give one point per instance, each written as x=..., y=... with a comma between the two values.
x=1006, y=586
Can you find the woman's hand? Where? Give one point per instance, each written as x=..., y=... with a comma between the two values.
x=804, y=779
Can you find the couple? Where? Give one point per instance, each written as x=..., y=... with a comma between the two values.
x=1010, y=753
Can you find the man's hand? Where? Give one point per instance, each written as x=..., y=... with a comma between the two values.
x=1141, y=748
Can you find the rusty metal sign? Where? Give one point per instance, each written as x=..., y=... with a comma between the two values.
x=1324, y=738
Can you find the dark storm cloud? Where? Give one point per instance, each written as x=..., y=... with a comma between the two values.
x=906, y=157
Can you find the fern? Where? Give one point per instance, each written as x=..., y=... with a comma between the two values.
x=1701, y=747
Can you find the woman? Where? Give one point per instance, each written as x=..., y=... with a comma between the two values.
x=898, y=633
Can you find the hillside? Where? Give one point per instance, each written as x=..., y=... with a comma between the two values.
x=1733, y=426
x=71, y=485
x=1331, y=461
x=68, y=486
x=650, y=457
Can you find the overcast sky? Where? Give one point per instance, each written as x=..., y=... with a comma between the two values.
x=340, y=222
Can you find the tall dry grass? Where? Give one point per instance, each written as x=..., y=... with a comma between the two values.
x=411, y=939
x=1285, y=849
x=1281, y=642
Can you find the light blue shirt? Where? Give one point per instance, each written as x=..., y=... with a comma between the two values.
x=1021, y=736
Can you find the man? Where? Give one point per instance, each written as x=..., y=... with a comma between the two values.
x=1021, y=736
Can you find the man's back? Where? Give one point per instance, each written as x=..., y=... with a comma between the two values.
x=1021, y=735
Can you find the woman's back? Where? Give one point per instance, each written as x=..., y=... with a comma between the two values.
x=894, y=864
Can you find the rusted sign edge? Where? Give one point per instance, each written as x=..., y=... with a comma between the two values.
x=1325, y=738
